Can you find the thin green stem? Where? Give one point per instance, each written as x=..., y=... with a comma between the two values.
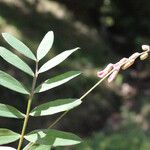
x=24, y=124
x=28, y=108
x=81, y=98
x=61, y=116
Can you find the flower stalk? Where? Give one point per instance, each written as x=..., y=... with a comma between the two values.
x=112, y=71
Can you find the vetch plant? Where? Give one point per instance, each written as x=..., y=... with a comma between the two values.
x=124, y=63
x=46, y=138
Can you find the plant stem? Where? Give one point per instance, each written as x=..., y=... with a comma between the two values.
x=24, y=124
x=81, y=98
x=61, y=116
x=28, y=107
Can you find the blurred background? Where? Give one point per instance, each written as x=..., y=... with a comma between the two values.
x=114, y=116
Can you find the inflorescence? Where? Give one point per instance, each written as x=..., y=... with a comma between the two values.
x=124, y=63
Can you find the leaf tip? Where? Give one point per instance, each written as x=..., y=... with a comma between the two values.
x=75, y=49
x=3, y=33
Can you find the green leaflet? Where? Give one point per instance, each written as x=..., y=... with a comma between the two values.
x=8, y=136
x=10, y=82
x=56, y=81
x=45, y=45
x=10, y=112
x=54, y=107
x=18, y=45
x=6, y=148
x=53, y=137
x=15, y=61
x=56, y=60
x=35, y=146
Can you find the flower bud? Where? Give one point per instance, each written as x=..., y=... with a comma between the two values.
x=123, y=60
x=144, y=56
x=134, y=56
x=145, y=47
x=113, y=76
x=102, y=73
x=128, y=64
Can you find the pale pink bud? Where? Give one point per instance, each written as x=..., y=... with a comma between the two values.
x=144, y=56
x=113, y=76
x=123, y=60
x=134, y=56
x=102, y=73
x=128, y=64
x=117, y=66
x=145, y=47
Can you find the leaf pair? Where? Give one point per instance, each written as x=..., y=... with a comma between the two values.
x=42, y=50
x=13, y=59
x=10, y=82
x=49, y=108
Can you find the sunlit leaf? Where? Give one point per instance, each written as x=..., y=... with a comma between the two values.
x=10, y=82
x=56, y=81
x=6, y=148
x=18, y=45
x=53, y=137
x=35, y=146
x=8, y=136
x=56, y=60
x=45, y=45
x=15, y=61
x=54, y=107
x=10, y=112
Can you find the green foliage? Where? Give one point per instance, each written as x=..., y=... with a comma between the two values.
x=56, y=81
x=37, y=147
x=56, y=60
x=6, y=148
x=44, y=138
x=10, y=112
x=55, y=107
x=18, y=45
x=10, y=82
x=8, y=136
x=53, y=137
x=15, y=61
x=45, y=45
